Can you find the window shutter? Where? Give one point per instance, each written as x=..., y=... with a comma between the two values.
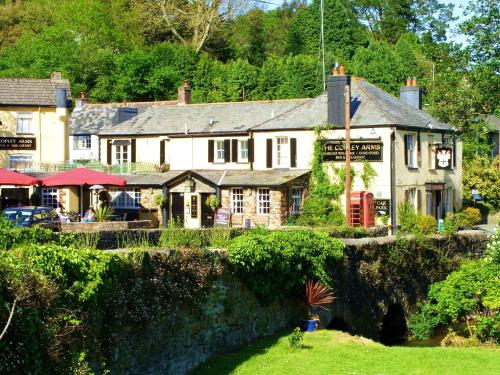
x=454, y=154
x=234, y=151
x=419, y=154
x=269, y=153
x=132, y=152
x=407, y=196
x=293, y=152
x=250, y=150
x=406, y=149
x=210, y=150
x=109, y=152
x=162, y=151
x=227, y=150
x=419, y=200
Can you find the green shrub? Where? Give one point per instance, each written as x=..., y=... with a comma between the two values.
x=103, y=213
x=407, y=217
x=470, y=294
x=172, y=237
x=426, y=224
x=80, y=240
x=12, y=237
x=267, y=260
x=296, y=339
x=472, y=215
x=493, y=248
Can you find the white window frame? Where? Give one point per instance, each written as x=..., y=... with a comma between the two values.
x=411, y=150
x=296, y=200
x=220, y=152
x=50, y=197
x=282, y=152
x=263, y=201
x=413, y=197
x=24, y=123
x=125, y=198
x=82, y=142
x=243, y=150
x=120, y=152
x=23, y=159
x=237, y=200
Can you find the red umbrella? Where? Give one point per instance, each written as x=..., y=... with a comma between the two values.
x=82, y=176
x=15, y=178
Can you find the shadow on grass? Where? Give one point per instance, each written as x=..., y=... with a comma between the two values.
x=226, y=363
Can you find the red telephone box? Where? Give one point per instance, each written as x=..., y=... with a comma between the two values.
x=362, y=209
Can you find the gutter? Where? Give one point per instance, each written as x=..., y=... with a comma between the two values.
x=393, y=182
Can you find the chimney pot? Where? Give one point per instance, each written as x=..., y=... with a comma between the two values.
x=341, y=70
x=184, y=93
x=414, y=81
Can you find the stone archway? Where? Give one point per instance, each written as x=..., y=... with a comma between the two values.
x=394, y=329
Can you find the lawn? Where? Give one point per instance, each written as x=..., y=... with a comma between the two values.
x=334, y=352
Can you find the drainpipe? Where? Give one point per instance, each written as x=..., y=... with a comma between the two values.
x=253, y=151
x=39, y=135
x=165, y=213
x=393, y=182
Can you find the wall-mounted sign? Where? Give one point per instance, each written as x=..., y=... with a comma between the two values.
x=194, y=206
x=360, y=150
x=222, y=217
x=382, y=207
x=16, y=143
x=443, y=157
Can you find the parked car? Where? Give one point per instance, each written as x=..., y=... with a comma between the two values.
x=28, y=216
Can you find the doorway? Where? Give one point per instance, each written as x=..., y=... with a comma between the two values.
x=178, y=208
x=207, y=215
x=15, y=197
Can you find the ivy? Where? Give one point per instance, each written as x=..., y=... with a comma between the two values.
x=368, y=174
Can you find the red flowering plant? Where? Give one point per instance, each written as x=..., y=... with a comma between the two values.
x=317, y=296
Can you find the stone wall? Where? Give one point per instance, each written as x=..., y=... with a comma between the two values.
x=105, y=226
x=184, y=338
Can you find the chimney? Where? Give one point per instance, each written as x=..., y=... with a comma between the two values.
x=184, y=94
x=336, y=101
x=411, y=94
x=81, y=101
x=56, y=76
x=62, y=103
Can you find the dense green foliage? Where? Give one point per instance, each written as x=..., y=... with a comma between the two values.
x=278, y=263
x=470, y=294
x=483, y=174
x=336, y=353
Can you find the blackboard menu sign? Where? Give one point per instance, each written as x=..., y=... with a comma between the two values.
x=382, y=207
x=223, y=217
x=17, y=143
x=334, y=150
x=194, y=206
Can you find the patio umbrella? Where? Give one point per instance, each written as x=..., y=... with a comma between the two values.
x=81, y=177
x=15, y=178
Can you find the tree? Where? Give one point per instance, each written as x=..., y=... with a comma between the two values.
x=191, y=22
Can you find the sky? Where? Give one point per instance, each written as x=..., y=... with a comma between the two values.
x=452, y=36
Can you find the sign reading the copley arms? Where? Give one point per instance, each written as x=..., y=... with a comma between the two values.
x=16, y=143
x=360, y=150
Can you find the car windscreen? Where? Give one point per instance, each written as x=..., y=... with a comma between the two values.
x=19, y=216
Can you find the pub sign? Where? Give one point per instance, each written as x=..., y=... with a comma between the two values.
x=443, y=157
x=17, y=143
x=334, y=150
x=382, y=207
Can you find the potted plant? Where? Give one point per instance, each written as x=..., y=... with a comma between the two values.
x=317, y=296
x=212, y=202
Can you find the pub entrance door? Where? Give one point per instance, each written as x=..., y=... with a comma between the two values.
x=207, y=216
x=178, y=208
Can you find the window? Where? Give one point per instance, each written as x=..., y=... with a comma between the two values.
x=411, y=197
x=431, y=155
x=24, y=120
x=237, y=201
x=121, y=154
x=244, y=150
x=282, y=152
x=263, y=201
x=410, y=151
x=81, y=142
x=219, y=151
x=20, y=162
x=125, y=198
x=296, y=200
x=50, y=197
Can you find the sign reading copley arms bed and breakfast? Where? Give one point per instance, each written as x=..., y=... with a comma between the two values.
x=16, y=143
x=361, y=150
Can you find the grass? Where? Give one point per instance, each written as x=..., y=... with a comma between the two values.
x=333, y=352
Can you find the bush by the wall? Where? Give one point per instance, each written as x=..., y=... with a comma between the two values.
x=173, y=237
x=274, y=263
x=472, y=215
x=426, y=224
x=12, y=237
x=407, y=217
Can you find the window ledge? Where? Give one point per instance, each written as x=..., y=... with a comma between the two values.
x=413, y=168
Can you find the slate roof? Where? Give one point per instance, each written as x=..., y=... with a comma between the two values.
x=226, y=117
x=493, y=123
x=31, y=92
x=91, y=118
x=220, y=177
x=370, y=106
